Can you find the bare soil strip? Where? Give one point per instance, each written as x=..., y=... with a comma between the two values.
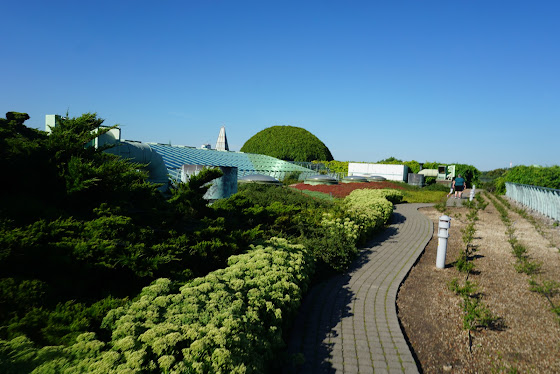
x=431, y=314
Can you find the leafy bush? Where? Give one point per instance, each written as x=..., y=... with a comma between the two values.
x=334, y=166
x=371, y=209
x=95, y=232
x=291, y=178
x=413, y=166
x=288, y=143
x=273, y=209
x=436, y=187
x=230, y=321
x=531, y=175
x=469, y=172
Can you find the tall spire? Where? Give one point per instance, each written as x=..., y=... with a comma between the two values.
x=221, y=144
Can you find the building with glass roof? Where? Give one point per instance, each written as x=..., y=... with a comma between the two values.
x=175, y=156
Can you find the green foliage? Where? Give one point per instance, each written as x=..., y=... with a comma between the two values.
x=230, y=321
x=463, y=264
x=531, y=175
x=76, y=248
x=488, y=179
x=549, y=289
x=469, y=172
x=318, y=195
x=332, y=231
x=527, y=267
x=187, y=198
x=436, y=187
x=291, y=178
x=333, y=247
x=288, y=143
x=92, y=230
x=340, y=167
x=441, y=205
x=523, y=264
x=480, y=201
x=372, y=208
x=424, y=196
x=74, y=178
x=477, y=315
x=413, y=166
x=466, y=290
x=275, y=210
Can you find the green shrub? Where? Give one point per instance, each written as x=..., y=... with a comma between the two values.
x=339, y=167
x=531, y=175
x=291, y=178
x=436, y=187
x=230, y=321
x=288, y=143
x=371, y=209
x=100, y=233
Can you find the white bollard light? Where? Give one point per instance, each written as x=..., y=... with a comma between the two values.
x=443, y=234
x=472, y=193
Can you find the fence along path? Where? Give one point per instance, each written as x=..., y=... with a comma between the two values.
x=349, y=323
x=543, y=200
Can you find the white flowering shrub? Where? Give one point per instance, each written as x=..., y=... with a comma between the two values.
x=335, y=237
x=341, y=226
x=371, y=209
x=230, y=321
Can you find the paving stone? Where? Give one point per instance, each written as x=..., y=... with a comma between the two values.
x=354, y=314
x=380, y=367
x=366, y=369
x=410, y=367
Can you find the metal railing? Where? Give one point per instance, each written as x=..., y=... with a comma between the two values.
x=544, y=200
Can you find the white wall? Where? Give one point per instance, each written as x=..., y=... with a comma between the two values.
x=390, y=172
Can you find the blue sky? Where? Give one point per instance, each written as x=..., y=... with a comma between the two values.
x=474, y=82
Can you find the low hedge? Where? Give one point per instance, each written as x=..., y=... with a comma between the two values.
x=230, y=321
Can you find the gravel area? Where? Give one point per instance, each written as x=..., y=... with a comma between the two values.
x=526, y=338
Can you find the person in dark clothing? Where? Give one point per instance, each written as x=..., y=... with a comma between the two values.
x=459, y=186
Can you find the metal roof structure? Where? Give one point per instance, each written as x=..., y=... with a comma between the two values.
x=175, y=156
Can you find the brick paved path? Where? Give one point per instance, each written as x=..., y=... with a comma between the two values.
x=349, y=323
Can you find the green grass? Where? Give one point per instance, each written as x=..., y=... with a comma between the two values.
x=413, y=195
x=422, y=196
x=318, y=195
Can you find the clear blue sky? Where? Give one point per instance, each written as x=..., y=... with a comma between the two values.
x=467, y=81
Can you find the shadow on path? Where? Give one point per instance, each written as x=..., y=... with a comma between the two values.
x=313, y=334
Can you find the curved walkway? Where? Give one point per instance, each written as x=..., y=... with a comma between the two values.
x=349, y=323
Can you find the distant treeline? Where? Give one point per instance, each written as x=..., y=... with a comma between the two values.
x=531, y=175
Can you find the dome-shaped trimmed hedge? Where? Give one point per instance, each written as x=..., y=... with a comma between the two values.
x=288, y=143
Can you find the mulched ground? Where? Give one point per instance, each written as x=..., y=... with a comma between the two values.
x=528, y=340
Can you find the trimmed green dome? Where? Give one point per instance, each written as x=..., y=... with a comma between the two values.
x=288, y=143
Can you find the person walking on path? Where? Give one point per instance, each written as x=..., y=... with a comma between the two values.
x=459, y=186
x=452, y=186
